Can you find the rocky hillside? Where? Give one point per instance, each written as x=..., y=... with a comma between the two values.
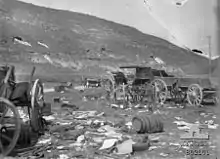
x=61, y=41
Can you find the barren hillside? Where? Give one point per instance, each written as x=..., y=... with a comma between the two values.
x=62, y=42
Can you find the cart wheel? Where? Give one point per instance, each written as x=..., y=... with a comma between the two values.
x=161, y=90
x=9, y=119
x=107, y=85
x=37, y=102
x=37, y=94
x=194, y=95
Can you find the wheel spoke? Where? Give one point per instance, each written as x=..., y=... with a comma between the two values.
x=6, y=138
x=1, y=147
x=3, y=114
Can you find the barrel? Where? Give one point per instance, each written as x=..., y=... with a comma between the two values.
x=147, y=124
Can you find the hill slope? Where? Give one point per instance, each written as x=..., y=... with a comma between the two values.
x=57, y=40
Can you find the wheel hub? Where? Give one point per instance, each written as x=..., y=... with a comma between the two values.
x=194, y=93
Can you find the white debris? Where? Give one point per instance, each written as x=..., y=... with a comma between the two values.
x=63, y=156
x=159, y=61
x=42, y=44
x=80, y=139
x=48, y=90
x=48, y=59
x=49, y=118
x=163, y=154
x=79, y=88
x=174, y=144
x=214, y=116
x=152, y=148
x=178, y=118
x=125, y=147
x=209, y=122
x=60, y=147
x=24, y=116
x=214, y=126
x=108, y=144
x=114, y=106
x=22, y=42
x=44, y=141
x=182, y=125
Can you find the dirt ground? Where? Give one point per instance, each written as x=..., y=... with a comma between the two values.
x=166, y=144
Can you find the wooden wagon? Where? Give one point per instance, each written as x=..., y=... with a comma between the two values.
x=193, y=88
x=13, y=95
x=137, y=85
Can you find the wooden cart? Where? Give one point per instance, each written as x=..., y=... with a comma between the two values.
x=11, y=97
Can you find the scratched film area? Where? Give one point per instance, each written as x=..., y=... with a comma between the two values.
x=76, y=86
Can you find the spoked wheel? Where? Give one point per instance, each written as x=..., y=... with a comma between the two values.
x=37, y=102
x=161, y=90
x=194, y=95
x=10, y=126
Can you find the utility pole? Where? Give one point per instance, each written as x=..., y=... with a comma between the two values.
x=210, y=55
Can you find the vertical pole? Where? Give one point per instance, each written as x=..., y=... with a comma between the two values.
x=210, y=55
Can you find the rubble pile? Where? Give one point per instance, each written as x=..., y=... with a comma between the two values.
x=114, y=130
x=87, y=134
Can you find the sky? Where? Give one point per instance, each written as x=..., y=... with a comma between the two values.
x=187, y=25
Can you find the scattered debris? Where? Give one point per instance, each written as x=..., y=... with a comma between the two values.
x=108, y=144
x=125, y=147
x=164, y=154
x=42, y=44
x=20, y=41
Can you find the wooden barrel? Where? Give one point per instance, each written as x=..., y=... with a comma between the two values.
x=147, y=124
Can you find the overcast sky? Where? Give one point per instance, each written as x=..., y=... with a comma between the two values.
x=187, y=25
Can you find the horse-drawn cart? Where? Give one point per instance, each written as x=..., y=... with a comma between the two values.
x=195, y=89
x=135, y=86
x=27, y=94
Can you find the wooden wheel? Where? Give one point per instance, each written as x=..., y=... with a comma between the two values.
x=161, y=90
x=194, y=95
x=10, y=126
x=37, y=94
x=37, y=102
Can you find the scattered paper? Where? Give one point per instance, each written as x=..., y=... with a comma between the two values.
x=215, y=126
x=152, y=148
x=44, y=141
x=108, y=144
x=163, y=154
x=48, y=118
x=22, y=42
x=48, y=90
x=80, y=138
x=63, y=156
x=42, y=44
x=178, y=118
x=125, y=147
